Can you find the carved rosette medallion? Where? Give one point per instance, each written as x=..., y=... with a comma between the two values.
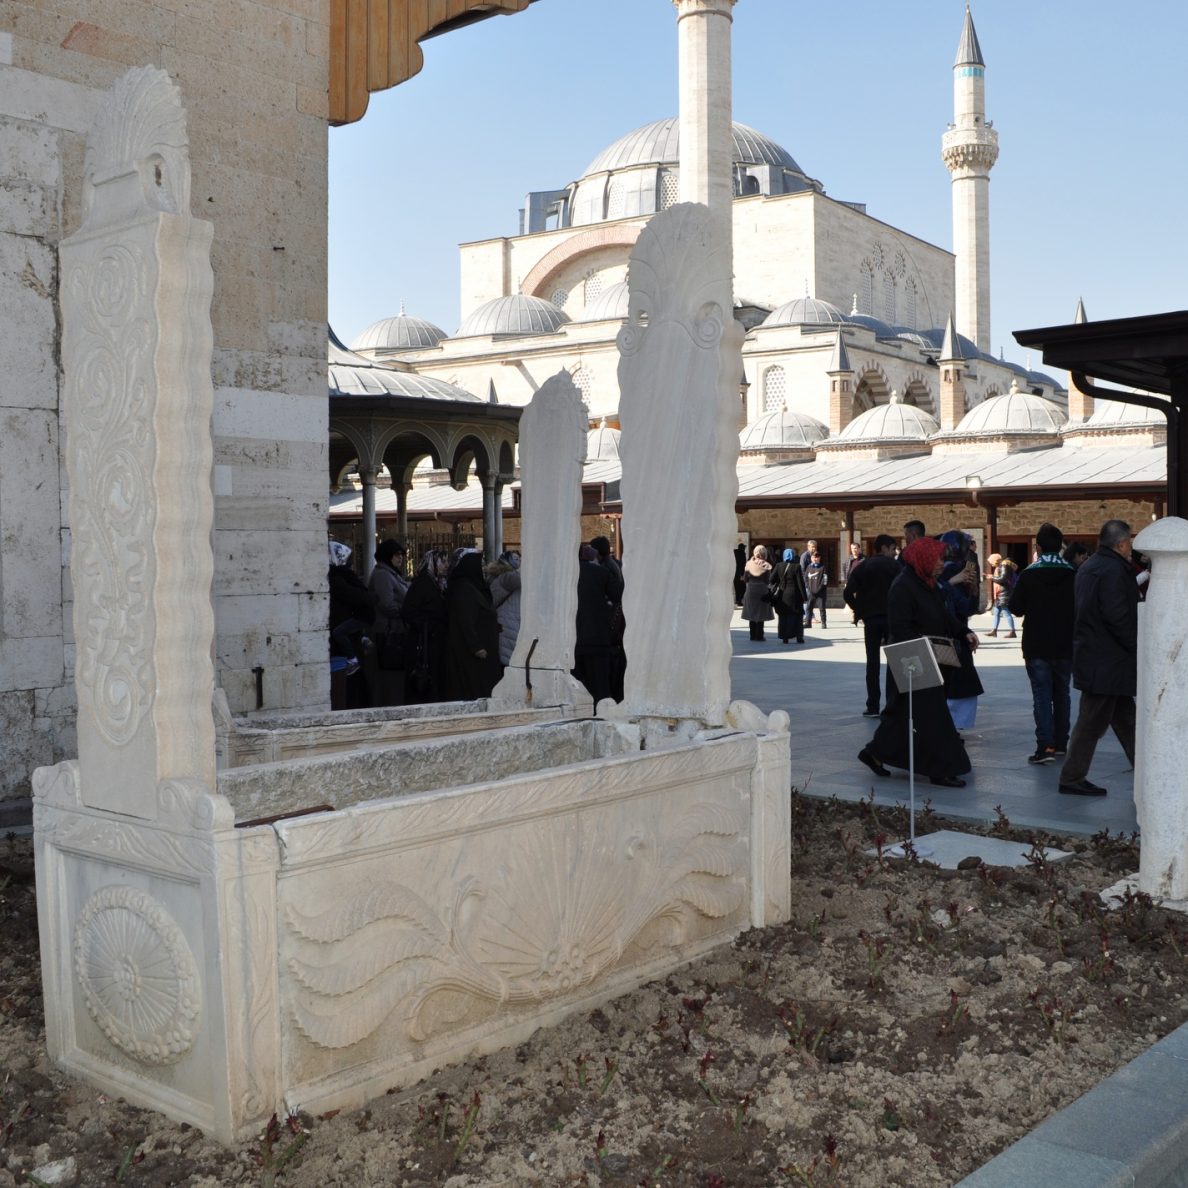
x=137, y=975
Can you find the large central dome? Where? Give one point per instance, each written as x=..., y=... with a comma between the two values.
x=658, y=143
x=638, y=174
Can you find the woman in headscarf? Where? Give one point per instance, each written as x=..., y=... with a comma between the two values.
x=389, y=585
x=960, y=582
x=788, y=596
x=503, y=578
x=915, y=607
x=472, y=632
x=424, y=614
x=757, y=599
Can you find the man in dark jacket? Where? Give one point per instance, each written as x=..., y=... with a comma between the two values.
x=599, y=588
x=866, y=595
x=1043, y=596
x=1105, y=655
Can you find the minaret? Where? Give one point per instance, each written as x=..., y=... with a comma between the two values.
x=841, y=387
x=969, y=149
x=1080, y=404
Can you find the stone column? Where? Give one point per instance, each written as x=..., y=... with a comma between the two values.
x=1162, y=711
x=552, y=451
x=706, y=132
x=497, y=542
x=136, y=350
x=490, y=515
x=367, y=476
x=402, y=514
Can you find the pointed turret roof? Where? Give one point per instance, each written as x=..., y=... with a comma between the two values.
x=969, y=52
x=1079, y=317
x=951, y=347
x=841, y=357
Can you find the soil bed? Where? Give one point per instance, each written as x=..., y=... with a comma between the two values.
x=909, y=1024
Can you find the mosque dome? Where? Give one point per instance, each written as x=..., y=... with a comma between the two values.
x=805, y=311
x=610, y=303
x=401, y=333
x=517, y=314
x=1109, y=413
x=783, y=429
x=353, y=375
x=895, y=421
x=602, y=444
x=1016, y=412
x=880, y=328
x=637, y=174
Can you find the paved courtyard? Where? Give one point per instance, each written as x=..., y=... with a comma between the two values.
x=821, y=684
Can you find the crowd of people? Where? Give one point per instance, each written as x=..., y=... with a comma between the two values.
x=447, y=632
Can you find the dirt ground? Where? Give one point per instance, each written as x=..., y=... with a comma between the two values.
x=907, y=1025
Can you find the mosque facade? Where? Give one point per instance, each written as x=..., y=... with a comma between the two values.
x=868, y=381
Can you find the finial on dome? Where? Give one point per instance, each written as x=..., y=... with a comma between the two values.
x=854, y=306
x=401, y=307
x=1014, y=386
x=602, y=423
x=895, y=398
x=806, y=289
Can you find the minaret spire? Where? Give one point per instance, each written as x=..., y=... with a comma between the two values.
x=969, y=149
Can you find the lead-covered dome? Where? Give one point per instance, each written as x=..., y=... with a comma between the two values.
x=612, y=302
x=602, y=444
x=895, y=421
x=638, y=174
x=1016, y=412
x=514, y=315
x=783, y=429
x=401, y=333
x=349, y=374
x=1108, y=413
x=805, y=311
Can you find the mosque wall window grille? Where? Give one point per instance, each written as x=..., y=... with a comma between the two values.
x=559, y=298
x=775, y=389
x=616, y=199
x=909, y=305
x=866, y=289
x=889, y=298
x=584, y=384
x=670, y=189
x=594, y=286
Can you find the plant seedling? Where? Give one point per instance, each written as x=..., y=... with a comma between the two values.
x=273, y=1161
x=957, y=1014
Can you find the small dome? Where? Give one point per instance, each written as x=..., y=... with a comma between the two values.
x=610, y=303
x=401, y=333
x=1116, y=412
x=602, y=444
x=517, y=314
x=880, y=329
x=1016, y=412
x=895, y=421
x=783, y=429
x=805, y=311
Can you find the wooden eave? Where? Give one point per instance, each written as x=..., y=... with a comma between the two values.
x=374, y=43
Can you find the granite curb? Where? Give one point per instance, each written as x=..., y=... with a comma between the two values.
x=1131, y=1131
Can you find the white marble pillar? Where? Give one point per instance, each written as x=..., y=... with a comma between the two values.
x=136, y=349
x=1163, y=713
x=552, y=451
x=497, y=546
x=490, y=514
x=367, y=477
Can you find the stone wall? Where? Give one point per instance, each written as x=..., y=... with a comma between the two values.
x=253, y=78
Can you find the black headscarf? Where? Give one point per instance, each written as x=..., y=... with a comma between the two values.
x=468, y=570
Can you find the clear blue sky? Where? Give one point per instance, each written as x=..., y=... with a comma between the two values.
x=1089, y=196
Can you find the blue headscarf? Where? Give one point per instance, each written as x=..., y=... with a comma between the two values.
x=789, y=554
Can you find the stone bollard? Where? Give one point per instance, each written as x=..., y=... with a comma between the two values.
x=1163, y=713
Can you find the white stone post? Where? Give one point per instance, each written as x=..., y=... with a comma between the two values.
x=367, y=476
x=491, y=511
x=552, y=451
x=1163, y=713
x=136, y=349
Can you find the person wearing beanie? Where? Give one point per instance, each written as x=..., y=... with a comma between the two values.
x=1043, y=597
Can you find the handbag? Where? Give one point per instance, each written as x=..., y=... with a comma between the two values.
x=944, y=651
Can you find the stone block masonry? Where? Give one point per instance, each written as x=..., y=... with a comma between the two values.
x=253, y=77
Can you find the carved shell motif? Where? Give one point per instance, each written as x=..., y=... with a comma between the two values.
x=556, y=913
x=137, y=975
x=141, y=127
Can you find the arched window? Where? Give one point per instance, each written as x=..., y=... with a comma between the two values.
x=775, y=389
x=615, y=199
x=593, y=286
x=670, y=189
x=909, y=304
x=866, y=288
x=560, y=297
x=889, y=298
x=581, y=379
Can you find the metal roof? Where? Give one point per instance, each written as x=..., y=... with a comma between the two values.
x=402, y=332
x=969, y=52
x=658, y=143
x=514, y=315
x=352, y=375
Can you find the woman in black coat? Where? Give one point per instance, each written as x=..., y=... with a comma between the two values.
x=788, y=596
x=472, y=632
x=916, y=607
x=424, y=615
x=757, y=598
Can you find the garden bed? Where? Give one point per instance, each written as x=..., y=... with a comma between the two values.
x=906, y=1026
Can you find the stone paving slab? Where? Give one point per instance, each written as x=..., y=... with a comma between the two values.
x=947, y=847
x=822, y=686
x=1132, y=1129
